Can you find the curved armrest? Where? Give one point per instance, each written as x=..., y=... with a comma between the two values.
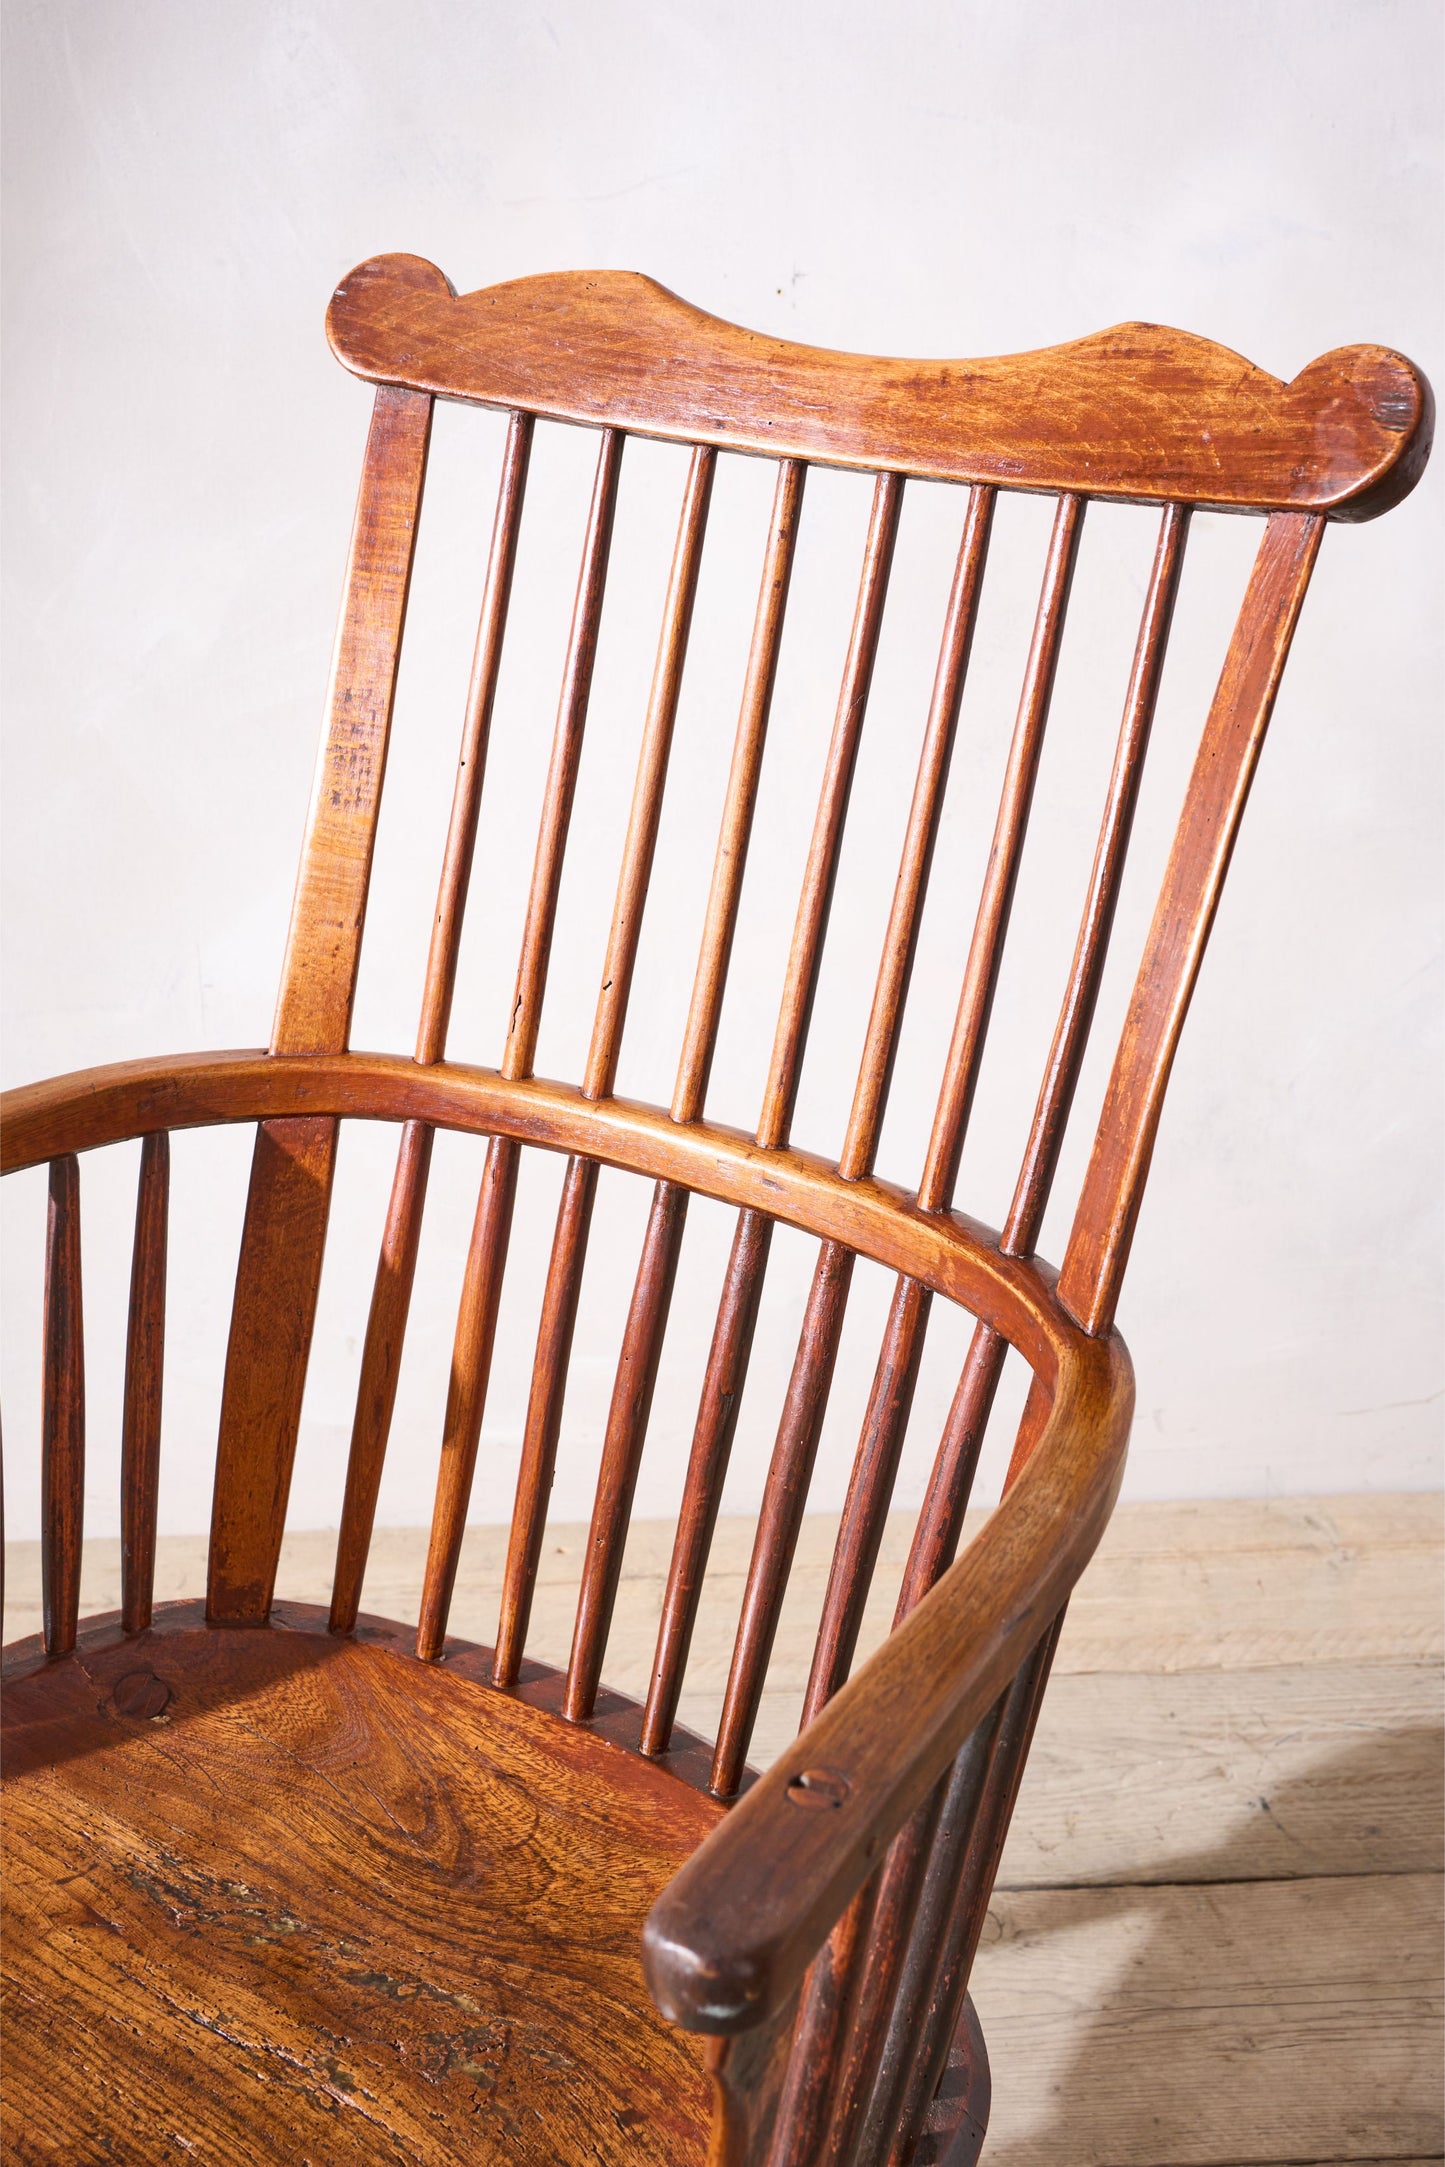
x=733, y=1932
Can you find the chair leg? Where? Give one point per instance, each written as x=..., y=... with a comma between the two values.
x=957, y=2120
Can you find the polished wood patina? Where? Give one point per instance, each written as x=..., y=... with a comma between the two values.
x=285, y=1883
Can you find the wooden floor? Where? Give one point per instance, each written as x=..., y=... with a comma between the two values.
x=1216, y=1940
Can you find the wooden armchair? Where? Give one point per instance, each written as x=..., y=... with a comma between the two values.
x=286, y=1886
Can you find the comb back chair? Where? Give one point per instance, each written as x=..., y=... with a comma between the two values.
x=289, y=1885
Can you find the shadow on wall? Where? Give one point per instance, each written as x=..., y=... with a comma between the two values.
x=1214, y=2016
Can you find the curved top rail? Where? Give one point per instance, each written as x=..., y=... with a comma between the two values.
x=1139, y=412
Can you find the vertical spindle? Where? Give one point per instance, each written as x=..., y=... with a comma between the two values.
x=140, y=1444
x=62, y=1462
x=491, y=1232
x=985, y=954
x=785, y=1492
x=742, y=1288
x=886, y=1418
x=401, y=1239
x=564, y=1272
x=1229, y=750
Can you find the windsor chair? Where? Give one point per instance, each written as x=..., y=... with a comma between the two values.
x=286, y=1885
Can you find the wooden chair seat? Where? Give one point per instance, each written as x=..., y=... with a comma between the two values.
x=275, y=1894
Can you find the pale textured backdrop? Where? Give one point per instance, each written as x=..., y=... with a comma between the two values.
x=184, y=186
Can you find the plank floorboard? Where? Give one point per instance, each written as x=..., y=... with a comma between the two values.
x=1274, y=2021
x=1233, y=1775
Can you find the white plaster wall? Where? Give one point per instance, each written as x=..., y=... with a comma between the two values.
x=184, y=186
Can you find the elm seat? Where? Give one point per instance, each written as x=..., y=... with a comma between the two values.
x=397, y=1903
x=285, y=1885
x=275, y=1894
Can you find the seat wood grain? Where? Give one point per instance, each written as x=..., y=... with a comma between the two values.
x=277, y=1894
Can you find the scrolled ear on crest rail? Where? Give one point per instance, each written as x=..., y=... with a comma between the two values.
x=1139, y=412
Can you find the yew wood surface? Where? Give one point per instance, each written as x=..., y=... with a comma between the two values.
x=318, y=976
x=251, y=1771
x=140, y=1445
x=279, y=1895
x=1113, y=1189
x=62, y=1419
x=1139, y=412
x=284, y=1238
